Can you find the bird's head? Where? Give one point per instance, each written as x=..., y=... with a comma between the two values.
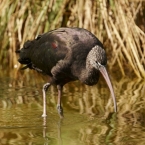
x=98, y=60
x=97, y=57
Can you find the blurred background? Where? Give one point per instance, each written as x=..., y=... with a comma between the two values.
x=120, y=26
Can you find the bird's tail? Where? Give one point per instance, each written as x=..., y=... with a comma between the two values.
x=24, y=54
x=18, y=50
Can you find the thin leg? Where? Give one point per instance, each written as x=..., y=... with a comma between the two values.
x=59, y=108
x=45, y=88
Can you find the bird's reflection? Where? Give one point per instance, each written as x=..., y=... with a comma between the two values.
x=45, y=127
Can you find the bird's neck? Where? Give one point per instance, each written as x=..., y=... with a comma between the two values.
x=89, y=75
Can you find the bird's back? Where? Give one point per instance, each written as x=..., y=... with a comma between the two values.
x=59, y=51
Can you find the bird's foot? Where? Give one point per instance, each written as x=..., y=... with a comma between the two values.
x=60, y=111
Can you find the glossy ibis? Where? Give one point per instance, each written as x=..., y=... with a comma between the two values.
x=66, y=54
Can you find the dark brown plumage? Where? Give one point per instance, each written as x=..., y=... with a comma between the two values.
x=66, y=54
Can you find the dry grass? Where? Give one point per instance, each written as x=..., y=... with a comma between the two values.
x=113, y=22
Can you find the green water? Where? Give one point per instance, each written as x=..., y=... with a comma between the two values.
x=88, y=113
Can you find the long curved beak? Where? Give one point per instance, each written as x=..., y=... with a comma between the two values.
x=103, y=71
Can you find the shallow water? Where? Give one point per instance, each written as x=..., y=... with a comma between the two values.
x=88, y=113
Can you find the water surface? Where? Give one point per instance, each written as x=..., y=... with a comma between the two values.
x=88, y=113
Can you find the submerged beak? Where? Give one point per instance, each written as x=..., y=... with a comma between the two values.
x=103, y=71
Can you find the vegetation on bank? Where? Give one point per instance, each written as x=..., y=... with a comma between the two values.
x=120, y=25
